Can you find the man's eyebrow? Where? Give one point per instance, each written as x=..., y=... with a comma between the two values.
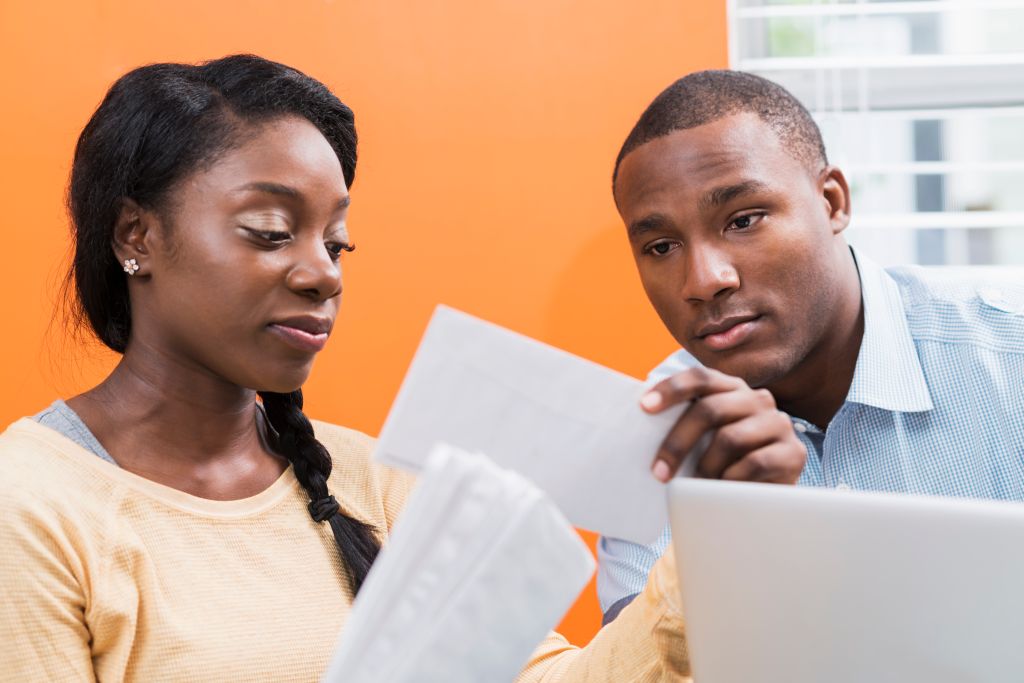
x=646, y=224
x=725, y=194
x=285, y=191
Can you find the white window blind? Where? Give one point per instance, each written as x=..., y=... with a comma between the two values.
x=920, y=102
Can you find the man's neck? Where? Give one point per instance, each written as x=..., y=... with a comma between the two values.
x=818, y=387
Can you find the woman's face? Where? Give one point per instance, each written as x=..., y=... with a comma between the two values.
x=240, y=274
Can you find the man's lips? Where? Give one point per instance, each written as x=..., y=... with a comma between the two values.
x=725, y=333
x=305, y=332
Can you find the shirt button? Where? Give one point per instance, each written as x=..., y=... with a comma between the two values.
x=800, y=427
x=842, y=486
x=996, y=299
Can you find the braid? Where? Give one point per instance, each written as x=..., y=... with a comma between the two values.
x=312, y=465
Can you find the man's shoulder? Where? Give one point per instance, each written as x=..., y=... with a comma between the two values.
x=980, y=306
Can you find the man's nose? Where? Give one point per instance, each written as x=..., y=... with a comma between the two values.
x=710, y=274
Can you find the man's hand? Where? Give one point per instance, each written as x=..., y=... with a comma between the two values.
x=751, y=439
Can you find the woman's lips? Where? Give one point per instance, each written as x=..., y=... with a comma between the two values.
x=731, y=336
x=299, y=339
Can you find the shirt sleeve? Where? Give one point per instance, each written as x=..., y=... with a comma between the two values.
x=43, y=632
x=623, y=567
x=646, y=642
x=677, y=362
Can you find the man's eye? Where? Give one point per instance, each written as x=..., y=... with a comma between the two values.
x=659, y=248
x=744, y=222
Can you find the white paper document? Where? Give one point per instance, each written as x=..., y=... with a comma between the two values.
x=478, y=569
x=572, y=427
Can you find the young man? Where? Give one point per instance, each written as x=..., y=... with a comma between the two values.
x=893, y=380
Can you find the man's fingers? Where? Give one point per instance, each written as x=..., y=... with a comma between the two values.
x=703, y=416
x=777, y=463
x=735, y=441
x=688, y=385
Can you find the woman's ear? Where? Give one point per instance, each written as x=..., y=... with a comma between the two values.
x=836, y=193
x=131, y=235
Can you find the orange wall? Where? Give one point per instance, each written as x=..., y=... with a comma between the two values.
x=488, y=130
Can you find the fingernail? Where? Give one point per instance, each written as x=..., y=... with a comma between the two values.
x=661, y=471
x=651, y=400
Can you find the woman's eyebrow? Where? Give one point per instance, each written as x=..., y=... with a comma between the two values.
x=270, y=188
x=285, y=191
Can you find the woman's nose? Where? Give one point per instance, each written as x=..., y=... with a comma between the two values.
x=315, y=273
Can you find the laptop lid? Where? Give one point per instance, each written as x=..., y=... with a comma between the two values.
x=802, y=585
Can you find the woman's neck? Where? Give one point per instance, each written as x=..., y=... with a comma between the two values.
x=181, y=426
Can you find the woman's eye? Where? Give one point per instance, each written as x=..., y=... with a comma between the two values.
x=275, y=236
x=337, y=247
x=744, y=222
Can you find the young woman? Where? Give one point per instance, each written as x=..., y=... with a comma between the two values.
x=184, y=520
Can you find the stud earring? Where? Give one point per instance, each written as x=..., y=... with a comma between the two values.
x=130, y=266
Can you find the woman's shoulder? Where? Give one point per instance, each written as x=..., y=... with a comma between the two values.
x=374, y=489
x=31, y=454
x=44, y=477
x=343, y=442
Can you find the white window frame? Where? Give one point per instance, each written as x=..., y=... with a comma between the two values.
x=990, y=84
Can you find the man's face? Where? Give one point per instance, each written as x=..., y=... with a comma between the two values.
x=737, y=244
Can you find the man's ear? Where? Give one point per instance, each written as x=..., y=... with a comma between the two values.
x=132, y=235
x=836, y=194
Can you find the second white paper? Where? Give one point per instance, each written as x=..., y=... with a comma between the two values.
x=571, y=426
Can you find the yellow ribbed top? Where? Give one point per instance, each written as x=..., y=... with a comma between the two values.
x=107, y=576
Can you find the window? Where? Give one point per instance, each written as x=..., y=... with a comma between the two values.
x=920, y=102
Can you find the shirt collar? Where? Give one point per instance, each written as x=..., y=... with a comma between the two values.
x=888, y=374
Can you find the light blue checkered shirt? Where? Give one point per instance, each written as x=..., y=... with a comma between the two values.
x=936, y=405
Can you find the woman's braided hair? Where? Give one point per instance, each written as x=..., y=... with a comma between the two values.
x=156, y=125
x=312, y=465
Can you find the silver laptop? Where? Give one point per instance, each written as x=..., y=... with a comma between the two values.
x=801, y=585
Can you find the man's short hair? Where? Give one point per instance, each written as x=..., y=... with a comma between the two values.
x=707, y=96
